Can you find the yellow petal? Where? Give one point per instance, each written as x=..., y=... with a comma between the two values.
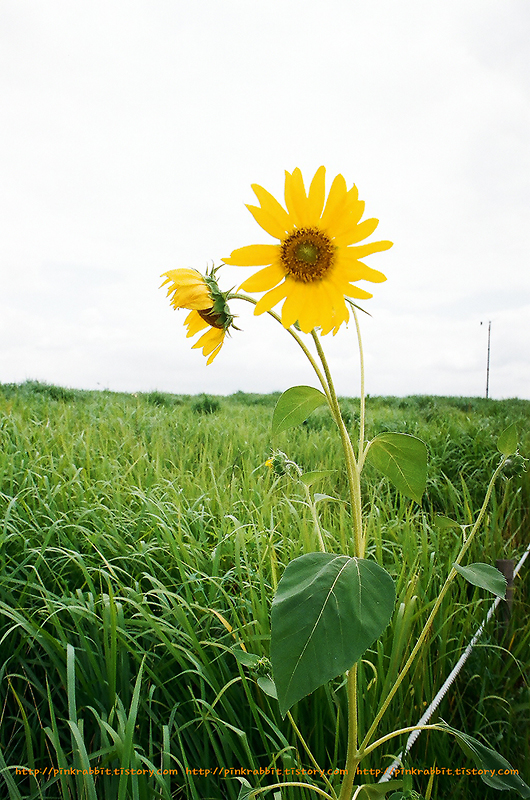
x=195, y=323
x=264, y=279
x=214, y=353
x=362, y=250
x=292, y=308
x=254, y=255
x=358, y=271
x=318, y=307
x=317, y=195
x=296, y=199
x=337, y=196
x=183, y=275
x=270, y=299
x=267, y=222
x=356, y=234
x=272, y=207
x=354, y=291
x=197, y=297
x=338, y=311
x=210, y=340
x=346, y=218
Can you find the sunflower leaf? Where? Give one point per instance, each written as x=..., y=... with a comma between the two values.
x=494, y=770
x=507, y=441
x=327, y=611
x=403, y=460
x=485, y=576
x=310, y=477
x=294, y=406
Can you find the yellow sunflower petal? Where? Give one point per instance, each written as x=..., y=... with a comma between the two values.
x=347, y=218
x=181, y=276
x=309, y=307
x=270, y=299
x=323, y=305
x=264, y=279
x=338, y=317
x=195, y=323
x=360, y=294
x=214, y=353
x=254, y=255
x=358, y=271
x=362, y=250
x=317, y=195
x=210, y=340
x=296, y=198
x=337, y=195
x=361, y=231
x=294, y=303
x=339, y=310
x=192, y=297
x=338, y=306
x=267, y=221
x=272, y=207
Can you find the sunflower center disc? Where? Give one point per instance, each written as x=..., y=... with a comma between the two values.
x=307, y=254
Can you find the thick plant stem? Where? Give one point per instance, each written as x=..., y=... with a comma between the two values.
x=352, y=755
x=354, y=478
x=434, y=611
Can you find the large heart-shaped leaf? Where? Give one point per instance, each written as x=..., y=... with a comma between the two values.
x=294, y=406
x=403, y=460
x=327, y=611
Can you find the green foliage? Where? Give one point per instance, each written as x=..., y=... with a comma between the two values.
x=327, y=611
x=131, y=530
x=507, y=441
x=206, y=405
x=485, y=576
x=494, y=770
x=294, y=406
x=403, y=459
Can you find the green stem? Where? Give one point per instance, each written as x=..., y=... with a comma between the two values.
x=352, y=755
x=427, y=626
x=314, y=515
x=392, y=735
x=354, y=482
x=307, y=353
x=362, y=404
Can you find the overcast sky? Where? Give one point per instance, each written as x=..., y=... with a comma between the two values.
x=131, y=131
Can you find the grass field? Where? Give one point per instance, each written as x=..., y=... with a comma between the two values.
x=142, y=539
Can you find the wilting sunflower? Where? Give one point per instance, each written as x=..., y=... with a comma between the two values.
x=201, y=295
x=317, y=262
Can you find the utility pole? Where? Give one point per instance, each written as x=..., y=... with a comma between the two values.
x=488, y=363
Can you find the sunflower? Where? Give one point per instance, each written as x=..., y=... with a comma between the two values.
x=208, y=308
x=316, y=263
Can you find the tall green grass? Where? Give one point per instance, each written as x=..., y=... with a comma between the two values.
x=141, y=542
